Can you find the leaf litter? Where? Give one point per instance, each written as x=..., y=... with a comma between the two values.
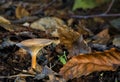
x=83, y=50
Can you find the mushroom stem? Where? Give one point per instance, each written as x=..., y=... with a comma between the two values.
x=34, y=50
x=34, y=61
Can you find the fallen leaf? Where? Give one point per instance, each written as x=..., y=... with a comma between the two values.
x=12, y=27
x=103, y=37
x=47, y=24
x=116, y=41
x=21, y=12
x=46, y=71
x=87, y=63
x=73, y=41
x=26, y=24
x=4, y=20
x=67, y=36
x=70, y=21
x=82, y=28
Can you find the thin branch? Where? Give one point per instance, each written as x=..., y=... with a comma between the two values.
x=25, y=19
x=43, y=8
x=49, y=4
x=92, y=16
x=18, y=75
x=109, y=7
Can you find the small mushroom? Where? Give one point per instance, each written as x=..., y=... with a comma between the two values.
x=32, y=46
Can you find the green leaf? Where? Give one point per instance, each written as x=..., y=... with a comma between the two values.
x=63, y=58
x=87, y=4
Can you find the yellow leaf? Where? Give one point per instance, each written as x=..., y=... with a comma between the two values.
x=3, y=20
x=21, y=12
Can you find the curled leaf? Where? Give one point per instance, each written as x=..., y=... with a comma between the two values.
x=73, y=41
x=21, y=12
x=85, y=64
x=103, y=37
x=67, y=36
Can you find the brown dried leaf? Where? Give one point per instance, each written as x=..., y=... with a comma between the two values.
x=67, y=36
x=21, y=12
x=103, y=37
x=85, y=64
x=73, y=41
x=82, y=28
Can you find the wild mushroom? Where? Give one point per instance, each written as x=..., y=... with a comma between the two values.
x=32, y=46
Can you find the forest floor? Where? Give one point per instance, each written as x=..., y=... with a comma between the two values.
x=88, y=41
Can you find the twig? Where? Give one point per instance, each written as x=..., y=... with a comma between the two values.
x=109, y=7
x=18, y=75
x=49, y=4
x=25, y=19
x=92, y=16
x=45, y=7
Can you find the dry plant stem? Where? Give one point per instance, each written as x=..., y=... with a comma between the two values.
x=92, y=16
x=109, y=7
